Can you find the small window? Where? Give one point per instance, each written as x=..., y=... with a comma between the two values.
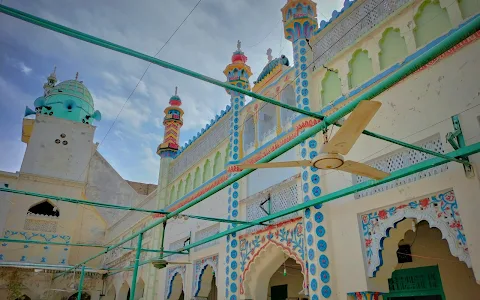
x=44, y=208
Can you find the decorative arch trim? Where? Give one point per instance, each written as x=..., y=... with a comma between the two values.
x=289, y=238
x=439, y=210
x=200, y=267
x=171, y=273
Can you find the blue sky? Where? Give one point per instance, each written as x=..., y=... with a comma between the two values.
x=204, y=44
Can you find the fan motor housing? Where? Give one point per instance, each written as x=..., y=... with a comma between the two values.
x=328, y=161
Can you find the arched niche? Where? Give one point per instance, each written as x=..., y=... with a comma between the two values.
x=207, y=171
x=469, y=7
x=180, y=190
x=431, y=21
x=331, y=87
x=175, y=283
x=188, y=184
x=173, y=195
x=218, y=163
x=392, y=48
x=360, y=68
x=287, y=97
x=197, y=179
x=267, y=122
x=204, y=276
x=248, y=134
x=111, y=294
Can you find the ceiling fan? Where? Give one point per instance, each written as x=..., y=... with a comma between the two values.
x=331, y=157
x=162, y=263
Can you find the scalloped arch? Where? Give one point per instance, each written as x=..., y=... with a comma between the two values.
x=197, y=281
x=171, y=277
x=261, y=251
x=433, y=222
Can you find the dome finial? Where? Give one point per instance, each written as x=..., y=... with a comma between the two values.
x=76, y=76
x=239, y=45
x=176, y=90
x=269, y=54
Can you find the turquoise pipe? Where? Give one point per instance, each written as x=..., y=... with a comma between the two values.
x=103, y=43
x=78, y=245
x=80, y=285
x=425, y=165
x=457, y=36
x=112, y=206
x=133, y=286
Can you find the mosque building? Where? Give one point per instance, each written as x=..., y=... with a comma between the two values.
x=415, y=237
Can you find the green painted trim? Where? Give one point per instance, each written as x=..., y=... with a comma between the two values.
x=466, y=151
x=135, y=267
x=104, y=205
x=103, y=43
x=459, y=35
x=79, y=245
x=80, y=285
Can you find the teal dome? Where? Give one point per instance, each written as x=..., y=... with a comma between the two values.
x=69, y=100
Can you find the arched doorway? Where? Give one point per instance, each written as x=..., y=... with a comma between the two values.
x=85, y=296
x=139, y=290
x=273, y=274
x=207, y=286
x=111, y=294
x=417, y=263
x=124, y=292
x=176, y=288
x=286, y=282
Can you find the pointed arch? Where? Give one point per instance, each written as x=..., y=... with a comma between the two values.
x=45, y=208
x=392, y=47
x=287, y=97
x=207, y=171
x=331, y=87
x=188, y=184
x=469, y=7
x=124, y=292
x=197, y=179
x=173, y=195
x=361, y=68
x=180, y=190
x=431, y=21
x=217, y=164
x=139, y=291
x=111, y=294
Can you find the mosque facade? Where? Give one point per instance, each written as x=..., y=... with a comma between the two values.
x=416, y=236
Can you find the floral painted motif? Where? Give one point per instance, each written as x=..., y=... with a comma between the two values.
x=200, y=266
x=439, y=210
x=365, y=295
x=287, y=235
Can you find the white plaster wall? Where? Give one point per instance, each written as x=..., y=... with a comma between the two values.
x=46, y=158
x=107, y=186
x=10, y=179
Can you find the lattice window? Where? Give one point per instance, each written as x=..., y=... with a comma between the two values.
x=281, y=198
x=400, y=159
x=40, y=225
x=202, y=147
x=205, y=233
x=357, y=23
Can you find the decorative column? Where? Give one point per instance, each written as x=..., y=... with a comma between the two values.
x=300, y=21
x=238, y=73
x=167, y=150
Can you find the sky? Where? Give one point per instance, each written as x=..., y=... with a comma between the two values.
x=204, y=44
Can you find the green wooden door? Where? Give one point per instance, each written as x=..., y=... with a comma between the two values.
x=416, y=284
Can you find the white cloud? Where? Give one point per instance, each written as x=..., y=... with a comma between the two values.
x=24, y=69
x=19, y=65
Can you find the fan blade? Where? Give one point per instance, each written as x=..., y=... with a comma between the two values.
x=362, y=170
x=282, y=164
x=350, y=131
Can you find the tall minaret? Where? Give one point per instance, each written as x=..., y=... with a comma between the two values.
x=238, y=73
x=173, y=121
x=300, y=22
x=167, y=150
